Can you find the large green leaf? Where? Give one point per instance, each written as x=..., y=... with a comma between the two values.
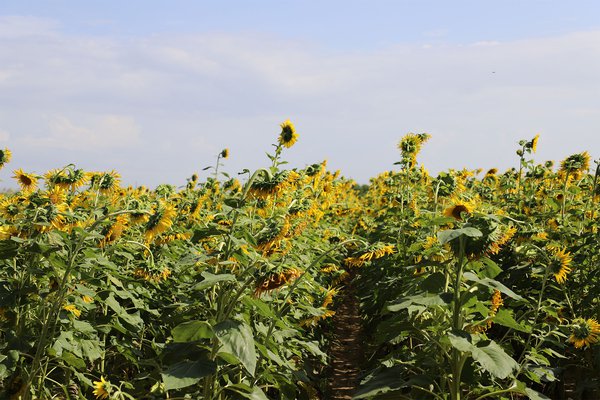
x=252, y=393
x=187, y=373
x=493, y=284
x=451, y=234
x=427, y=300
x=504, y=317
x=488, y=355
x=211, y=280
x=389, y=380
x=192, y=331
x=237, y=339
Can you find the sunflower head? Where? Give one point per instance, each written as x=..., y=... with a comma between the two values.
x=584, y=332
x=559, y=264
x=102, y=388
x=458, y=210
x=532, y=145
x=5, y=156
x=224, y=153
x=579, y=162
x=27, y=181
x=288, y=135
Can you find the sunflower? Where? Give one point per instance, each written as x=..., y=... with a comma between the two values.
x=459, y=209
x=5, y=156
x=275, y=281
x=27, y=181
x=106, y=182
x=579, y=162
x=533, y=144
x=114, y=231
x=101, y=388
x=160, y=222
x=288, y=135
x=559, y=263
x=410, y=146
x=584, y=332
x=224, y=153
x=507, y=234
x=73, y=310
x=56, y=195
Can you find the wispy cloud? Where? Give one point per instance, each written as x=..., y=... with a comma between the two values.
x=181, y=98
x=99, y=132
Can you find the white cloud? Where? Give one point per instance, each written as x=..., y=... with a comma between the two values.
x=169, y=103
x=97, y=132
x=12, y=27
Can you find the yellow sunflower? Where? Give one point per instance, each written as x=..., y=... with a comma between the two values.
x=288, y=135
x=579, y=162
x=275, y=281
x=101, y=388
x=72, y=309
x=5, y=156
x=457, y=210
x=224, y=153
x=584, y=332
x=160, y=222
x=27, y=181
x=534, y=142
x=559, y=263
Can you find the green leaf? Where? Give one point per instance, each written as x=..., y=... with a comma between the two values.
x=192, y=331
x=237, y=339
x=211, y=280
x=83, y=327
x=488, y=355
x=421, y=299
x=493, y=284
x=388, y=380
x=91, y=349
x=533, y=395
x=504, y=317
x=491, y=269
x=252, y=393
x=187, y=373
x=434, y=283
x=8, y=249
x=8, y=363
x=451, y=234
x=73, y=360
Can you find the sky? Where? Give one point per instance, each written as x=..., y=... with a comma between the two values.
x=156, y=89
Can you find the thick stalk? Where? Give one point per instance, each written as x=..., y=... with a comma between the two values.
x=457, y=360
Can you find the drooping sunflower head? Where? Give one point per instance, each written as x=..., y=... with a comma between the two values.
x=27, y=181
x=160, y=221
x=459, y=210
x=559, y=264
x=532, y=145
x=288, y=135
x=5, y=156
x=224, y=153
x=276, y=280
x=102, y=388
x=584, y=332
x=579, y=162
x=105, y=181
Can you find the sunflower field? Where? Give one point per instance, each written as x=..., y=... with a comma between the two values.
x=468, y=284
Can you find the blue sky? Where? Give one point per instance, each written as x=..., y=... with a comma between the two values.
x=155, y=89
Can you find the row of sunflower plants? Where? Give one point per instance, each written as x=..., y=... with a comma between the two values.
x=492, y=292
x=213, y=290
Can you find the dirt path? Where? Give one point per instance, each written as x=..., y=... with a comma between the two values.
x=346, y=352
